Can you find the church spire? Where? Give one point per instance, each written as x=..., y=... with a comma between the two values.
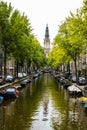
x=46, y=41
x=47, y=32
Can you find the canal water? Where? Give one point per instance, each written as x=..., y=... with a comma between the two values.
x=43, y=105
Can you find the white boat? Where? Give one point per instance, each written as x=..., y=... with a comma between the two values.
x=73, y=90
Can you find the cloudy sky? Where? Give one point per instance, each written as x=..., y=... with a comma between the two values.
x=42, y=12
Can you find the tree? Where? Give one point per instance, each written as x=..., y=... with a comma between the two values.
x=17, y=40
x=58, y=57
x=69, y=37
x=37, y=54
x=21, y=30
x=5, y=13
x=83, y=13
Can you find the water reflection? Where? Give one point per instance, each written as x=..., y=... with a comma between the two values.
x=43, y=105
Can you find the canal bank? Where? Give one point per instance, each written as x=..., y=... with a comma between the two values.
x=73, y=87
x=15, y=81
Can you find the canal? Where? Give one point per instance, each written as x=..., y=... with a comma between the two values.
x=43, y=105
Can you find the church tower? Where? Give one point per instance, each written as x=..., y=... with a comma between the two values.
x=46, y=41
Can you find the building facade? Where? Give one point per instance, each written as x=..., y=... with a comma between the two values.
x=46, y=41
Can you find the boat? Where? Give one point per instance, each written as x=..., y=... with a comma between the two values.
x=24, y=82
x=83, y=99
x=85, y=106
x=9, y=93
x=35, y=75
x=73, y=90
x=30, y=79
x=1, y=99
x=17, y=86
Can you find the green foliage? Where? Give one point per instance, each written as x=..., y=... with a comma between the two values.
x=5, y=13
x=71, y=35
x=20, y=32
x=16, y=38
x=57, y=57
x=37, y=53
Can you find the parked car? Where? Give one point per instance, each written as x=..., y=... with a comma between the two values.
x=20, y=75
x=62, y=80
x=85, y=88
x=67, y=74
x=9, y=78
x=73, y=79
x=24, y=74
x=2, y=80
x=81, y=80
x=66, y=84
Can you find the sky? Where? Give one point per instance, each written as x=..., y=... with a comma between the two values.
x=42, y=12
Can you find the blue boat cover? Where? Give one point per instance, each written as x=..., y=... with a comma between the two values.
x=85, y=106
x=1, y=98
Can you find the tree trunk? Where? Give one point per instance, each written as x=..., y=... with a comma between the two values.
x=17, y=68
x=68, y=68
x=75, y=69
x=28, y=67
x=5, y=70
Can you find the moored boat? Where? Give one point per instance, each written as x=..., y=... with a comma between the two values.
x=9, y=93
x=74, y=91
x=17, y=86
x=83, y=100
x=24, y=83
x=12, y=92
x=85, y=106
x=30, y=79
x=35, y=75
x=1, y=99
